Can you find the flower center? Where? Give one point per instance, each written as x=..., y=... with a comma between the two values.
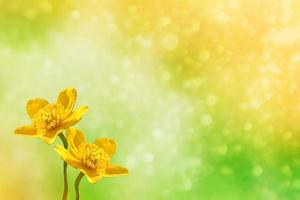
x=48, y=117
x=92, y=156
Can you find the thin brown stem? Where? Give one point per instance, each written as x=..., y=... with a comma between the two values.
x=65, y=168
x=77, y=182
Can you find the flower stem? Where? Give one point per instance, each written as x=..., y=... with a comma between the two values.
x=65, y=194
x=77, y=182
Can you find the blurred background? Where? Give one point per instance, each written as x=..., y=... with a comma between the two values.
x=201, y=96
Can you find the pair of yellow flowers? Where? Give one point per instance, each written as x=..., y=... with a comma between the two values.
x=50, y=120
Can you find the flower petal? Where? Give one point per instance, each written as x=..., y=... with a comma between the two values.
x=74, y=117
x=49, y=136
x=67, y=99
x=75, y=137
x=108, y=145
x=68, y=157
x=115, y=170
x=34, y=105
x=27, y=130
x=92, y=174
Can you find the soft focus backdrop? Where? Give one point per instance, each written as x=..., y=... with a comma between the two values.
x=201, y=96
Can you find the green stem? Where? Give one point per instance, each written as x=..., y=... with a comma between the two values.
x=77, y=182
x=65, y=194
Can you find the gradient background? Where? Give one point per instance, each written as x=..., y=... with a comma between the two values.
x=202, y=97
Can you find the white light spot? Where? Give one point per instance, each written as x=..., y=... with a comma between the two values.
x=206, y=120
x=75, y=14
x=204, y=55
x=195, y=27
x=296, y=183
x=222, y=149
x=248, y=126
x=194, y=83
x=233, y=4
x=274, y=69
x=211, y=100
x=226, y=171
x=131, y=162
x=30, y=14
x=268, y=96
x=286, y=184
x=132, y=8
x=165, y=76
x=165, y=21
x=220, y=48
x=145, y=42
x=112, y=28
x=284, y=36
x=94, y=18
x=187, y=185
x=126, y=63
x=115, y=79
x=287, y=135
x=148, y=157
x=169, y=41
x=286, y=171
x=237, y=148
x=158, y=133
x=46, y=6
x=257, y=170
x=255, y=103
x=222, y=17
x=295, y=58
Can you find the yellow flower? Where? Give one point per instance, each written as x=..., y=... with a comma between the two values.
x=48, y=120
x=92, y=159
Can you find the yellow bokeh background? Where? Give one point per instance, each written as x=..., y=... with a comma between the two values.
x=201, y=96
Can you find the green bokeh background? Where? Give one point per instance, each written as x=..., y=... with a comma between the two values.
x=201, y=96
